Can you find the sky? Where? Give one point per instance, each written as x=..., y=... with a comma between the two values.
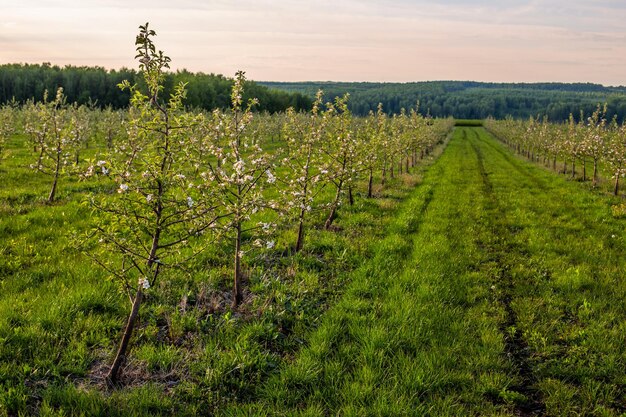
x=333, y=40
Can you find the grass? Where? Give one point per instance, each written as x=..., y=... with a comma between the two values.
x=497, y=291
x=61, y=316
x=484, y=285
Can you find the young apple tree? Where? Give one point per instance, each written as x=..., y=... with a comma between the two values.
x=156, y=209
x=305, y=164
x=340, y=147
x=240, y=172
x=50, y=127
x=7, y=125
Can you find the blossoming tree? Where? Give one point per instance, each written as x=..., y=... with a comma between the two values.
x=156, y=209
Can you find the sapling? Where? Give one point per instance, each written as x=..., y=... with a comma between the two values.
x=157, y=209
x=340, y=147
x=7, y=125
x=306, y=168
x=594, y=140
x=240, y=172
x=50, y=127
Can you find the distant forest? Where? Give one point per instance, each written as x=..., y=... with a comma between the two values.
x=472, y=100
x=460, y=99
x=98, y=86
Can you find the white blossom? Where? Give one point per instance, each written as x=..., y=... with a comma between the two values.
x=239, y=166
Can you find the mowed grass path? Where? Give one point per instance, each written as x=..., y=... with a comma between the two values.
x=499, y=290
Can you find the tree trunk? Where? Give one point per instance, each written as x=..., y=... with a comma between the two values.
x=584, y=170
x=237, y=296
x=350, y=196
x=300, y=241
x=406, y=165
x=573, y=168
x=333, y=207
x=370, y=183
x=616, y=187
x=554, y=163
x=384, y=175
x=564, y=166
x=55, y=181
x=595, y=172
x=113, y=375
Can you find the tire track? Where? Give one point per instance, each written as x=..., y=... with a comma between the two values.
x=500, y=250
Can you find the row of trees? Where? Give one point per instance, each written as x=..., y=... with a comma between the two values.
x=473, y=100
x=181, y=181
x=591, y=140
x=97, y=86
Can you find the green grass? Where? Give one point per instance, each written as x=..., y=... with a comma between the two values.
x=468, y=122
x=497, y=291
x=61, y=317
x=491, y=286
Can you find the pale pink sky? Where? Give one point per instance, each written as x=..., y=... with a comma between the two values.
x=367, y=40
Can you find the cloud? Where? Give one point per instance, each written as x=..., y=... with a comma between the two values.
x=381, y=40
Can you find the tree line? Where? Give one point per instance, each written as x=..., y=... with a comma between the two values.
x=97, y=86
x=473, y=100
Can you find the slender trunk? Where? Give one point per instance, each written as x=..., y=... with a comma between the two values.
x=400, y=166
x=564, y=166
x=120, y=357
x=616, y=187
x=554, y=163
x=303, y=201
x=384, y=175
x=406, y=165
x=55, y=181
x=350, y=196
x=300, y=241
x=237, y=296
x=584, y=170
x=421, y=154
x=370, y=183
x=391, y=170
x=595, y=172
x=333, y=207
x=573, y=167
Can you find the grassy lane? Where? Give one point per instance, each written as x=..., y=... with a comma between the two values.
x=562, y=259
x=497, y=292
x=419, y=332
